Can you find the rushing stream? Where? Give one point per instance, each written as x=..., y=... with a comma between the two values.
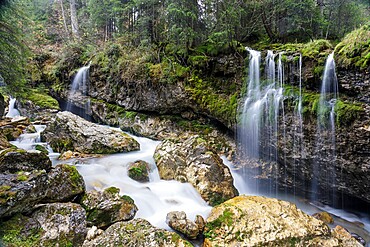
x=158, y=197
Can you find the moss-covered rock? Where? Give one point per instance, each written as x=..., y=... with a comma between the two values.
x=13, y=160
x=139, y=171
x=71, y=132
x=138, y=233
x=106, y=207
x=354, y=50
x=64, y=183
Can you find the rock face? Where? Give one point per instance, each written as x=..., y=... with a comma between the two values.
x=70, y=132
x=13, y=160
x=260, y=221
x=2, y=105
x=136, y=233
x=179, y=222
x=191, y=160
x=107, y=207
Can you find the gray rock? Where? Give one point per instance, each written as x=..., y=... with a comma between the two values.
x=14, y=160
x=107, y=207
x=63, y=224
x=192, y=160
x=71, y=132
x=136, y=233
x=179, y=222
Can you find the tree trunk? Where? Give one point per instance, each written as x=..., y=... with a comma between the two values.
x=64, y=18
x=74, y=22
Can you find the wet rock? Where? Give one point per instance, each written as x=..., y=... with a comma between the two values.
x=12, y=128
x=63, y=224
x=76, y=155
x=4, y=143
x=138, y=233
x=139, y=171
x=345, y=238
x=13, y=160
x=179, y=222
x=71, y=132
x=201, y=223
x=107, y=207
x=64, y=183
x=2, y=105
x=260, y=221
x=359, y=239
x=324, y=216
x=42, y=149
x=192, y=160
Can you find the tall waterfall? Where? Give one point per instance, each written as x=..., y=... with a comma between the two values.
x=258, y=130
x=79, y=87
x=325, y=163
x=12, y=111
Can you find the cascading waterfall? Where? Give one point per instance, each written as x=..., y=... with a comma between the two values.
x=79, y=87
x=12, y=111
x=258, y=132
x=325, y=162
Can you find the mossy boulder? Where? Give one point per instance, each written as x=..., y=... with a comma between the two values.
x=71, y=132
x=64, y=183
x=107, y=207
x=192, y=160
x=13, y=160
x=56, y=224
x=138, y=233
x=261, y=221
x=139, y=171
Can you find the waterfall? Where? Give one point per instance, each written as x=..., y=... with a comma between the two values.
x=325, y=162
x=79, y=87
x=258, y=129
x=12, y=112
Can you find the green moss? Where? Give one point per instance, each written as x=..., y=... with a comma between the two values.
x=61, y=145
x=112, y=190
x=40, y=98
x=347, y=112
x=22, y=177
x=75, y=177
x=128, y=199
x=354, y=49
x=12, y=232
x=42, y=149
x=6, y=194
x=211, y=228
x=138, y=172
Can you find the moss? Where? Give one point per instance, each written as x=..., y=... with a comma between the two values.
x=40, y=98
x=347, y=112
x=138, y=172
x=112, y=190
x=74, y=176
x=211, y=228
x=354, y=49
x=128, y=199
x=22, y=177
x=12, y=232
x=42, y=149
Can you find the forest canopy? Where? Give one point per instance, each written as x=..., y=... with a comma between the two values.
x=177, y=25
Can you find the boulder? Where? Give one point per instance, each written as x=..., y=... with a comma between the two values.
x=20, y=192
x=71, y=132
x=324, y=216
x=12, y=128
x=179, y=222
x=76, y=155
x=63, y=224
x=139, y=171
x=192, y=160
x=260, y=221
x=56, y=224
x=14, y=160
x=64, y=184
x=107, y=207
x=138, y=233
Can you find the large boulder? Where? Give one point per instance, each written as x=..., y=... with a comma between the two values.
x=136, y=233
x=107, y=207
x=21, y=191
x=260, y=221
x=56, y=224
x=71, y=132
x=193, y=161
x=12, y=128
x=14, y=160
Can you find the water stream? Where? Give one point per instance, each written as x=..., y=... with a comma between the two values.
x=12, y=111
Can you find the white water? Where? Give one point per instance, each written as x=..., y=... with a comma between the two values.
x=79, y=86
x=12, y=112
x=153, y=199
